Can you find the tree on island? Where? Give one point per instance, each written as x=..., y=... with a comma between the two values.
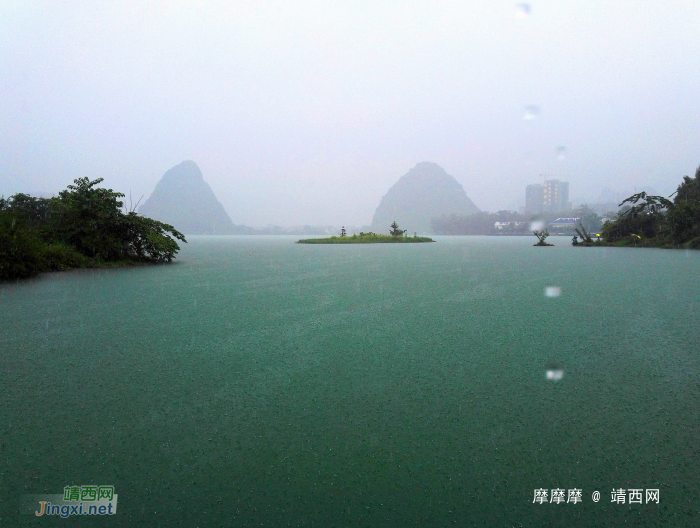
x=395, y=231
x=541, y=237
x=586, y=238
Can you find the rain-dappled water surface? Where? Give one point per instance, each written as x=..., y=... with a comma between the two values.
x=261, y=383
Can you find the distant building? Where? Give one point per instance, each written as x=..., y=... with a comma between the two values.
x=500, y=226
x=552, y=196
x=534, y=198
x=564, y=223
x=556, y=196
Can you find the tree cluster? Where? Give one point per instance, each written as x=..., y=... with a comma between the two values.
x=84, y=226
x=658, y=220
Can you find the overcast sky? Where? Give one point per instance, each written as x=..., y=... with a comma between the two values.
x=307, y=112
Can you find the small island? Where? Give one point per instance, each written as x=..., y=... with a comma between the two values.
x=542, y=235
x=395, y=236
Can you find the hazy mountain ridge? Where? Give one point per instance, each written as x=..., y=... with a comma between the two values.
x=183, y=199
x=424, y=192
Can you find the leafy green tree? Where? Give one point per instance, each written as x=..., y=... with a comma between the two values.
x=90, y=219
x=151, y=240
x=644, y=213
x=395, y=231
x=684, y=216
x=36, y=211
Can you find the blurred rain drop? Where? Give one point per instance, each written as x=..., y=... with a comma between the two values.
x=554, y=371
x=532, y=112
x=552, y=291
x=523, y=10
x=537, y=225
x=561, y=153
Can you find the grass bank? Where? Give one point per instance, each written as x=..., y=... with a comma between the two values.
x=366, y=239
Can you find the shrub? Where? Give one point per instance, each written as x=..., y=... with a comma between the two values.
x=20, y=248
x=60, y=257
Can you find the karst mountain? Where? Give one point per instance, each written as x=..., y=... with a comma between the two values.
x=183, y=199
x=423, y=193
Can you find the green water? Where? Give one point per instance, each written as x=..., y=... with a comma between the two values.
x=261, y=383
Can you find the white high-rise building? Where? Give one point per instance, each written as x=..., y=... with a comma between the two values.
x=552, y=196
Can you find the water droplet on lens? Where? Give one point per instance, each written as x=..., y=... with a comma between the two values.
x=523, y=10
x=552, y=291
x=554, y=371
x=561, y=153
x=531, y=112
x=537, y=225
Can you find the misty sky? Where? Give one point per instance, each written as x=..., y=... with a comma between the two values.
x=306, y=113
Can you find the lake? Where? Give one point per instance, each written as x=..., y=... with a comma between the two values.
x=258, y=382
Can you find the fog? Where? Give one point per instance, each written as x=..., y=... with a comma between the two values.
x=306, y=113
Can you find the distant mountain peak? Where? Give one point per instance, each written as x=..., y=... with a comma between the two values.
x=425, y=192
x=183, y=199
x=188, y=170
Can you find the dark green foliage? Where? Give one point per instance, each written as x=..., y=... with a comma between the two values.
x=684, y=216
x=644, y=216
x=90, y=219
x=684, y=221
x=655, y=221
x=35, y=211
x=395, y=231
x=149, y=240
x=20, y=247
x=60, y=257
x=83, y=227
x=689, y=189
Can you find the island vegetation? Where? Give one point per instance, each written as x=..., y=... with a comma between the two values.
x=541, y=235
x=85, y=226
x=653, y=221
x=395, y=236
x=586, y=237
